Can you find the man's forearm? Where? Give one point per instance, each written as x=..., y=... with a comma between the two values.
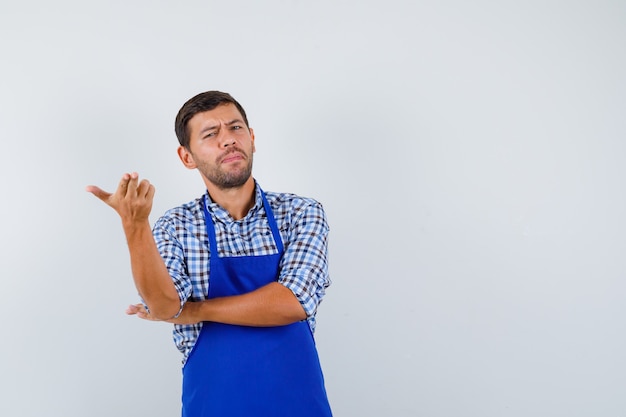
x=150, y=274
x=270, y=305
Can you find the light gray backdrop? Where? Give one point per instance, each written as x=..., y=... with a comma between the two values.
x=470, y=156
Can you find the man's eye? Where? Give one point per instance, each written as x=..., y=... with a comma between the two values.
x=236, y=127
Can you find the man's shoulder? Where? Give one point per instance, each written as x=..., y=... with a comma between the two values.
x=290, y=208
x=290, y=201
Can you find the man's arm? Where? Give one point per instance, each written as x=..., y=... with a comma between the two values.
x=133, y=202
x=304, y=265
x=270, y=305
x=302, y=282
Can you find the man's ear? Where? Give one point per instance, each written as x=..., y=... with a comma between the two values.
x=252, y=137
x=186, y=157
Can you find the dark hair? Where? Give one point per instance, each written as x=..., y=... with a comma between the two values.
x=200, y=103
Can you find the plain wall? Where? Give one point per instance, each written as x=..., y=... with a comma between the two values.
x=470, y=156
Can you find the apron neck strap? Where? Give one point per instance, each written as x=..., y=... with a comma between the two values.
x=210, y=227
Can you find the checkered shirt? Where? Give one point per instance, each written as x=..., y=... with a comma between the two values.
x=182, y=240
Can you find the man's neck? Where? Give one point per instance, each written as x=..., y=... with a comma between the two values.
x=236, y=201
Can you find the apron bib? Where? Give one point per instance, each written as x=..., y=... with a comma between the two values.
x=242, y=371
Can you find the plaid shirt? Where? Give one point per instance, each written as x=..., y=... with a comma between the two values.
x=182, y=240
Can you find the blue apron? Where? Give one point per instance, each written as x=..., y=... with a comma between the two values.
x=242, y=371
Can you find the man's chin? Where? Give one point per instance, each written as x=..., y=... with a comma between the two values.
x=233, y=182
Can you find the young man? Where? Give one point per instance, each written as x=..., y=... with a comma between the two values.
x=239, y=272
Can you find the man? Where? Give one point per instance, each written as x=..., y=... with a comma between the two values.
x=239, y=272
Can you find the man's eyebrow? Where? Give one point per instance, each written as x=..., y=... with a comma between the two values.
x=215, y=127
x=207, y=128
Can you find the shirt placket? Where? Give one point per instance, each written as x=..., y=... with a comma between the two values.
x=237, y=243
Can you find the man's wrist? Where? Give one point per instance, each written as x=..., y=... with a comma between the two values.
x=193, y=312
x=134, y=229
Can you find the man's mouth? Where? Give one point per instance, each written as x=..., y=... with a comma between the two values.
x=231, y=157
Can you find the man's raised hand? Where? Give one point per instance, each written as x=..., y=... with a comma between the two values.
x=132, y=200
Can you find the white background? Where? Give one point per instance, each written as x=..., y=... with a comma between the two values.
x=470, y=156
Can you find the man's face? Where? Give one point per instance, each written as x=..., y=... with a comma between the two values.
x=220, y=146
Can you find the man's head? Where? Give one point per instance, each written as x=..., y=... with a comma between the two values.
x=202, y=102
x=216, y=140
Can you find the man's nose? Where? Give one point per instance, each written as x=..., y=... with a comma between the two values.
x=227, y=140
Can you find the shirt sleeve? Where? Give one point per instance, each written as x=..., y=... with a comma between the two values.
x=173, y=255
x=304, y=265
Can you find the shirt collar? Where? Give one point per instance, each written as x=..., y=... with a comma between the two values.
x=219, y=213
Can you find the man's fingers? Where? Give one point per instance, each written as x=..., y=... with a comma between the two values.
x=140, y=311
x=151, y=191
x=131, y=184
x=133, y=309
x=132, y=199
x=122, y=187
x=98, y=192
x=144, y=189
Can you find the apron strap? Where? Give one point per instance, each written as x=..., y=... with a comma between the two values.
x=272, y=222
